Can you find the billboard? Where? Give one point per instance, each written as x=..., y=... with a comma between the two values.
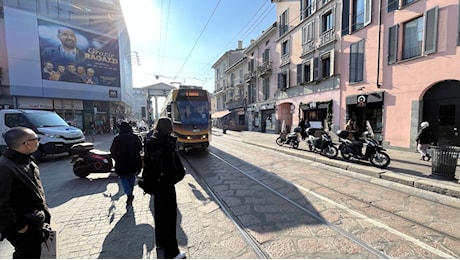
x=72, y=55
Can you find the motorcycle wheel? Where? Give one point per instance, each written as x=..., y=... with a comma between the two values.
x=295, y=144
x=331, y=151
x=279, y=141
x=310, y=147
x=81, y=169
x=380, y=159
x=345, y=154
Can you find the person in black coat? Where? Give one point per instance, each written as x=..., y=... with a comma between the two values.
x=165, y=201
x=126, y=150
x=23, y=209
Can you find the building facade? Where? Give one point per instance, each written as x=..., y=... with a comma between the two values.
x=399, y=68
x=72, y=57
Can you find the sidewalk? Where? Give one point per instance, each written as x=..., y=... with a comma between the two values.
x=405, y=167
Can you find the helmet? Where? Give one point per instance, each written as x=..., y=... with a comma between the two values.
x=424, y=125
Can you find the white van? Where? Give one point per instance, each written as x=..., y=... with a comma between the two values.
x=56, y=136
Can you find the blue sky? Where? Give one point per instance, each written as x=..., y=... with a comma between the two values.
x=180, y=40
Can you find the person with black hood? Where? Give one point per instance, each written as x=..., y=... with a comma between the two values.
x=126, y=150
x=24, y=214
x=163, y=144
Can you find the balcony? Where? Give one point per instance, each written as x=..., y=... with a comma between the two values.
x=307, y=48
x=286, y=59
x=265, y=69
x=327, y=37
x=235, y=102
x=248, y=77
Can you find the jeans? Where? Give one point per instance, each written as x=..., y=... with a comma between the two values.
x=127, y=182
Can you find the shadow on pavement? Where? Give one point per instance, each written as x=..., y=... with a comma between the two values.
x=127, y=240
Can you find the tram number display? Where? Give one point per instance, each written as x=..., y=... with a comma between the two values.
x=191, y=93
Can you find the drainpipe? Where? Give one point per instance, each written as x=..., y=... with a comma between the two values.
x=379, y=43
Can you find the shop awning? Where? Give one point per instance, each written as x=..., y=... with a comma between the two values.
x=220, y=114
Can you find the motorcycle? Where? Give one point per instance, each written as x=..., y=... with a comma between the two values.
x=322, y=144
x=88, y=160
x=291, y=139
x=374, y=152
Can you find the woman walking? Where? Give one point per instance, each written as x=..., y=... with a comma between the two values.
x=162, y=147
x=424, y=139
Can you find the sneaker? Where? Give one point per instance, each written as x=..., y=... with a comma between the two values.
x=428, y=157
x=180, y=256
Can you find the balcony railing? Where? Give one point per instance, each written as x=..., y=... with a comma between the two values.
x=327, y=37
x=249, y=76
x=285, y=60
x=264, y=69
x=308, y=47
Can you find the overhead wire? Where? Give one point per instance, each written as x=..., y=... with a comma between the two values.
x=204, y=28
x=249, y=24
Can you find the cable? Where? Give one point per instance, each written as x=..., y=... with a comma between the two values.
x=204, y=28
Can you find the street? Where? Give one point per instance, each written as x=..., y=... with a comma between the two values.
x=289, y=206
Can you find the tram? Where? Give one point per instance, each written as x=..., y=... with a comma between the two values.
x=189, y=109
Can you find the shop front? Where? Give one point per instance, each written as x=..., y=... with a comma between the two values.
x=317, y=112
x=367, y=107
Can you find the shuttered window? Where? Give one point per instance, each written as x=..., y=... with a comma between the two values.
x=356, y=61
x=393, y=44
x=431, y=30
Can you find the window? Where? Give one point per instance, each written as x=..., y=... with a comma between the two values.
x=307, y=8
x=307, y=33
x=283, y=80
x=325, y=66
x=307, y=72
x=356, y=61
x=361, y=14
x=407, y=2
x=266, y=88
x=412, y=38
x=419, y=37
x=392, y=5
x=266, y=56
x=283, y=23
x=327, y=22
x=285, y=48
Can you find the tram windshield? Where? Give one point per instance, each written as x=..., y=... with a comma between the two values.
x=191, y=112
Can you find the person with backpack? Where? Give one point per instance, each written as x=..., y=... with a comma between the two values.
x=162, y=162
x=126, y=150
x=424, y=138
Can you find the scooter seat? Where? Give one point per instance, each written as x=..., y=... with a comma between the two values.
x=99, y=152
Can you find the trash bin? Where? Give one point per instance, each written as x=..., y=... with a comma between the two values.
x=444, y=160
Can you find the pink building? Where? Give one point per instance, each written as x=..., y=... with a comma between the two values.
x=399, y=68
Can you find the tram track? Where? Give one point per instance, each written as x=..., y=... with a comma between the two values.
x=374, y=251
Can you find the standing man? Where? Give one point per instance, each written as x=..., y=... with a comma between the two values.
x=23, y=209
x=126, y=150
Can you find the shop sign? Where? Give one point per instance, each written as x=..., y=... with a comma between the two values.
x=361, y=101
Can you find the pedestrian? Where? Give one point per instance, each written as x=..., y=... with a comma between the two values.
x=165, y=202
x=424, y=138
x=303, y=128
x=24, y=214
x=126, y=150
x=352, y=129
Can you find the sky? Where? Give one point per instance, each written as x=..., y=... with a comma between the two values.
x=178, y=41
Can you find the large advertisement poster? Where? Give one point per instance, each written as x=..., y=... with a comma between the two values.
x=72, y=55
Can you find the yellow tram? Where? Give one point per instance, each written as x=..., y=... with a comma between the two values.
x=189, y=109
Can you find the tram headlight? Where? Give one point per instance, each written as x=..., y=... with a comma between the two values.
x=189, y=137
x=204, y=137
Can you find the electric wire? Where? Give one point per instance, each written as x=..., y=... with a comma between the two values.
x=199, y=36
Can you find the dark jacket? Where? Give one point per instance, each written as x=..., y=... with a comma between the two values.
x=125, y=150
x=21, y=193
x=164, y=146
x=425, y=136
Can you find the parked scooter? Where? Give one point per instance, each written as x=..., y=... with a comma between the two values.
x=322, y=144
x=374, y=152
x=88, y=160
x=291, y=139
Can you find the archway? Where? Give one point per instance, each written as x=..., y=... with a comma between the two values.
x=441, y=108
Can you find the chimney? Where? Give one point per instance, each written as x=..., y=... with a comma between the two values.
x=240, y=45
x=252, y=41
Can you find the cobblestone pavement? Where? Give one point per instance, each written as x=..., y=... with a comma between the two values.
x=93, y=222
